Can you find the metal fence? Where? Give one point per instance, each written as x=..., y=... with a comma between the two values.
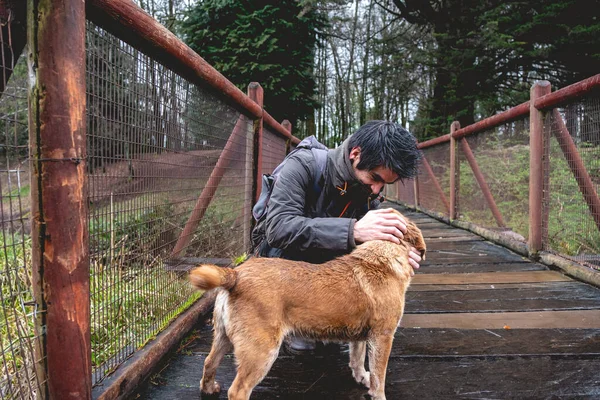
x=572, y=180
x=532, y=175
x=153, y=140
x=18, y=379
x=171, y=173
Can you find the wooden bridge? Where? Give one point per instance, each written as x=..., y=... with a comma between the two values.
x=480, y=322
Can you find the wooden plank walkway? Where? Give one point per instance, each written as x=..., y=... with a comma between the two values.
x=481, y=322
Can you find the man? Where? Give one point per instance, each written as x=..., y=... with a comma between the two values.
x=308, y=225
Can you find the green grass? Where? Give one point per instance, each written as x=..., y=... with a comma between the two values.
x=571, y=229
x=133, y=295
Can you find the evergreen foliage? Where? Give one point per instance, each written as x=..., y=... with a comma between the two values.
x=488, y=53
x=272, y=42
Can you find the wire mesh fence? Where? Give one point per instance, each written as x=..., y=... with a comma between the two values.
x=157, y=163
x=434, y=179
x=501, y=155
x=273, y=150
x=572, y=181
x=18, y=379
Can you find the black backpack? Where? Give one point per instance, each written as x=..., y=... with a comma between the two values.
x=259, y=211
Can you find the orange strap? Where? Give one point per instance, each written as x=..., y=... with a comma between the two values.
x=345, y=208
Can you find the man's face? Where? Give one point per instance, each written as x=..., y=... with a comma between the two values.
x=373, y=179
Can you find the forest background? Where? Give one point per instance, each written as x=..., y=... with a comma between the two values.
x=328, y=66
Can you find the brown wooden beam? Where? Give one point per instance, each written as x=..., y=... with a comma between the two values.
x=237, y=136
x=256, y=93
x=509, y=115
x=536, y=168
x=510, y=320
x=568, y=93
x=60, y=248
x=489, y=277
x=454, y=173
x=487, y=193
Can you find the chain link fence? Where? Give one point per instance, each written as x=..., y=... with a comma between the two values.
x=572, y=181
x=501, y=155
x=154, y=142
x=274, y=150
x=18, y=379
x=433, y=181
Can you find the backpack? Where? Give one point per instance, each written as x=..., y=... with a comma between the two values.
x=259, y=211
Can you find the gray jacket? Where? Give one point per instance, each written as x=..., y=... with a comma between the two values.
x=315, y=229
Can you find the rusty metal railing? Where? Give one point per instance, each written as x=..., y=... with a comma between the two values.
x=530, y=172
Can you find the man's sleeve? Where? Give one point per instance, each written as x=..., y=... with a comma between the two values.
x=287, y=227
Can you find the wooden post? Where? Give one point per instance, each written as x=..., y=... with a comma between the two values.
x=59, y=228
x=287, y=125
x=209, y=190
x=536, y=169
x=454, y=172
x=416, y=191
x=487, y=193
x=256, y=94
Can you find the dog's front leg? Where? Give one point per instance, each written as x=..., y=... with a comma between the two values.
x=358, y=352
x=380, y=347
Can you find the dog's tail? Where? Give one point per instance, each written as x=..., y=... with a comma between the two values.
x=209, y=276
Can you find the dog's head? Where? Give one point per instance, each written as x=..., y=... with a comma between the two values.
x=383, y=252
x=414, y=237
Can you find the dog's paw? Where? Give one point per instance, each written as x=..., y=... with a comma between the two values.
x=210, y=389
x=377, y=396
x=363, y=377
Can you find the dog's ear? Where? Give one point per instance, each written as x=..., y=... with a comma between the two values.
x=414, y=236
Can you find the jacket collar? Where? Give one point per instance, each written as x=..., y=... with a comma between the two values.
x=342, y=167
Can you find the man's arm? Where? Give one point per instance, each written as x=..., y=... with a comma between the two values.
x=287, y=227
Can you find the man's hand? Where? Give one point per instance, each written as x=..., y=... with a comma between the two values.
x=414, y=258
x=384, y=224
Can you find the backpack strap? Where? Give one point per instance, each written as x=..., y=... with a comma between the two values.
x=321, y=159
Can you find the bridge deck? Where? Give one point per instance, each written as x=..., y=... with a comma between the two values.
x=480, y=322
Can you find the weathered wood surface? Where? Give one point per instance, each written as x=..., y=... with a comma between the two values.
x=465, y=335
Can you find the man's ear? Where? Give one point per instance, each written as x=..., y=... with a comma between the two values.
x=355, y=154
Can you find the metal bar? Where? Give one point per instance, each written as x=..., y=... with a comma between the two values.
x=584, y=181
x=416, y=190
x=60, y=248
x=536, y=172
x=568, y=93
x=481, y=182
x=256, y=93
x=434, y=142
x=288, y=126
x=211, y=187
x=454, y=173
x=507, y=116
x=130, y=23
x=436, y=183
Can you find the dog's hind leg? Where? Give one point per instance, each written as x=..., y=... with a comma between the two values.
x=380, y=347
x=220, y=346
x=254, y=357
x=358, y=352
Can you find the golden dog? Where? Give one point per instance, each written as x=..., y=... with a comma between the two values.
x=356, y=298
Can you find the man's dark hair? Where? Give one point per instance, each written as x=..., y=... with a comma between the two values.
x=387, y=144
